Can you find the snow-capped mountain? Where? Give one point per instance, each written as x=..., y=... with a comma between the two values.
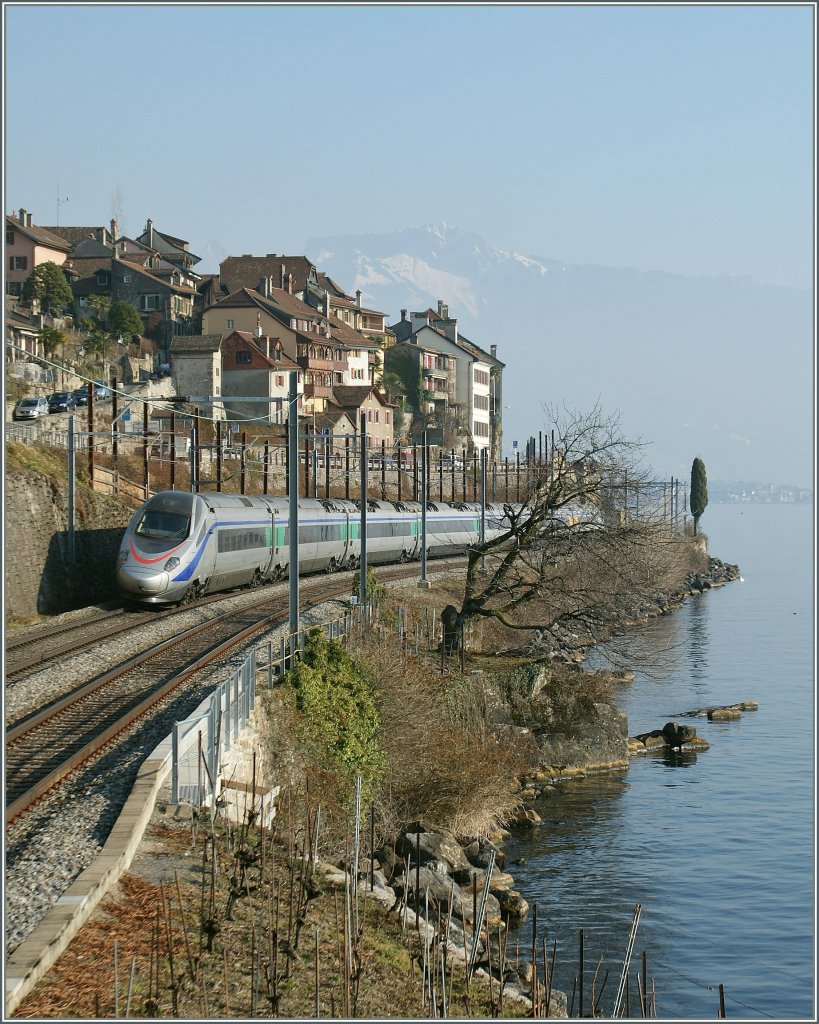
x=713, y=367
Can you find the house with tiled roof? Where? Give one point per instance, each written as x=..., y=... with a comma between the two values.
x=298, y=276
x=472, y=398
x=304, y=334
x=372, y=323
x=365, y=357
x=22, y=335
x=173, y=249
x=370, y=402
x=163, y=294
x=104, y=235
x=196, y=369
x=27, y=246
x=294, y=274
x=256, y=366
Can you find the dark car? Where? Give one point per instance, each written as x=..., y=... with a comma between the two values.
x=61, y=401
x=80, y=396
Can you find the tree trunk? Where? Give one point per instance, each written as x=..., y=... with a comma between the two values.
x=451, y=629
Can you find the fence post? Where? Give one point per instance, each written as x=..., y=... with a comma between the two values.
x=226, y=712
x=212, y=753
x=175, y=764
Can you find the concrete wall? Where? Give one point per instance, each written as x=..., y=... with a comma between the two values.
x=38, y=576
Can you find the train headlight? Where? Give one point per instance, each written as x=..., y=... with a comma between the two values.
x=171, y=563
x=123, y=557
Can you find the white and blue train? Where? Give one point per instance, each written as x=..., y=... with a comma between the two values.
x=180, y=545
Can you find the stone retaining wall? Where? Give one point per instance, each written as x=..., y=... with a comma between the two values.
x=39, y=578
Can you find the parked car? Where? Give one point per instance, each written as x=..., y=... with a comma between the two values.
x=100, y=391
x=30, y=409
x=61, y=401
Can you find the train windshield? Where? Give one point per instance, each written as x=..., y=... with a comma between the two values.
x=163, y=525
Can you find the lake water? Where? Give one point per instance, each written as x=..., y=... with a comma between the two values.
x=717, y=848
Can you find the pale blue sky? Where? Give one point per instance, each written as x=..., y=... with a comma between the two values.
x=674, y=138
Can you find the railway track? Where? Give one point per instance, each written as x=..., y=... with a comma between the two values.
x=37, y=648
x=47, y=746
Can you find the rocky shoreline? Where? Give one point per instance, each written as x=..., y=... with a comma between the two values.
x=432, y=879
x=441, y=885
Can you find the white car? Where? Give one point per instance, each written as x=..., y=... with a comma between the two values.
x=30, y=409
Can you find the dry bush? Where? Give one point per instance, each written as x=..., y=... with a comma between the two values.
x=442, y=767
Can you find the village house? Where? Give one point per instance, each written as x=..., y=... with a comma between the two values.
x=477, y=404
x=196, y=371
x=27, y=246
x=256, y=366
x=300, y=277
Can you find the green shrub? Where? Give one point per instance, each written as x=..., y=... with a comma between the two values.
x=339, y=719
x=376, y=591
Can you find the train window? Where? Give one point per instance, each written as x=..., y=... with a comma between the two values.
x=242, y=538
x=163, y=525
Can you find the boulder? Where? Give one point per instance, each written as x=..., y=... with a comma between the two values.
x=513, y=907
x=676, y=735
x=475, y=877
x=478, y=853
x=439, y=847
x=525, y=817
x=724, y=714
x=446, y=893
x=597, y=741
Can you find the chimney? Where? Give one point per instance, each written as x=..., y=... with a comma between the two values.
x=114, y=229
x=149, y=231
x=493, y=351
x=264, y=287
x=283, y=285
x=327, y=303
x=441, y=308
x=22, y=216
x=445, y=312
x=358, y=297
x=259, y=323
x=403, y=315
x=289, y=284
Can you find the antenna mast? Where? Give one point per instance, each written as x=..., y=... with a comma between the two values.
x=60, y=202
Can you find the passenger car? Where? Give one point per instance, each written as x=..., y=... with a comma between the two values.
x=80, y=396
x=180, y=545
x=30, y=409
x=61, y=401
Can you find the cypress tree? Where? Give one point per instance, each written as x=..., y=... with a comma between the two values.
x=699, y=490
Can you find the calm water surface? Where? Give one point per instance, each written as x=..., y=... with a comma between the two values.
x=718, y=848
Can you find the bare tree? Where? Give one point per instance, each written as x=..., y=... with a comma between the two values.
x=585, y=543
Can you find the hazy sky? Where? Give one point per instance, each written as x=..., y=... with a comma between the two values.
x=674, y=138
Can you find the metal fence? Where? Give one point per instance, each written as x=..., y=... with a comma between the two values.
x=200, y=742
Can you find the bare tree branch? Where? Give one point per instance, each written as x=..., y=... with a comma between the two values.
x=586, y=540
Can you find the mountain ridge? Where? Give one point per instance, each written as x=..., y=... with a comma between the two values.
x=704, y=366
